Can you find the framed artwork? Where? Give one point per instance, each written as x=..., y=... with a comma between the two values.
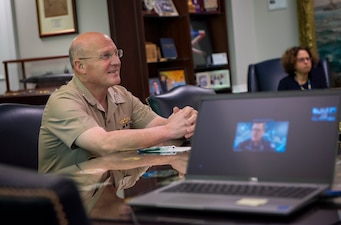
x=203, y=79
x=201, y=43
x=319, y=31
x=173, y=77
x=56, y=17
x=165, y=8
x=220, y=79
x=216, y=79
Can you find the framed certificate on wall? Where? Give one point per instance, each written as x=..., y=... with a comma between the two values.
x=56, y=17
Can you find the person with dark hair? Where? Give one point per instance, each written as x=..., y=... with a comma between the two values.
x=298, y=63
x=156, y=88
x=256, y=142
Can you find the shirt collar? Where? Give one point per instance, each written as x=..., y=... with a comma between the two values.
x=113, y=95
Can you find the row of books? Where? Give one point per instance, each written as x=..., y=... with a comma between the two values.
x=168, y=49
x=201, y=48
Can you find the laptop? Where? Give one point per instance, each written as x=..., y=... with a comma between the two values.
x=298, y=156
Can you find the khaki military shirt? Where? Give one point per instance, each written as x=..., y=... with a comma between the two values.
x=72, y=110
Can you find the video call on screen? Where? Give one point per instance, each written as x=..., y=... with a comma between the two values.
x=295, y=129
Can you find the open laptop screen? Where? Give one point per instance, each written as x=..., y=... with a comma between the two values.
x=287, y=136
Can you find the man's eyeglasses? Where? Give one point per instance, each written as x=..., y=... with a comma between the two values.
x=303, y=59
x=117, y=52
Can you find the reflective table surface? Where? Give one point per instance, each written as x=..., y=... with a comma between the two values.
x=325, y=211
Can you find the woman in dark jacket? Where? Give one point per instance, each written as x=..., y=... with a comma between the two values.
x=298, y=63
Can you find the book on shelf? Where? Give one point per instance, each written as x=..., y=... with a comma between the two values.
x=151, y=52
x=191, y=7
x=168, y=48
x=216, y=79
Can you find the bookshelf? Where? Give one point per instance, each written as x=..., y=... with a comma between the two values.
x=132, y=26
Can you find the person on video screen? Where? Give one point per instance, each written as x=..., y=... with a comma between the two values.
x=256, y=142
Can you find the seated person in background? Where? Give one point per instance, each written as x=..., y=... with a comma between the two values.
x=91, y=121
x=298, y=63
x=256, y=143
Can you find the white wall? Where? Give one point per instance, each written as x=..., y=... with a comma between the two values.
x=92, y=15
x=255, y=34
x=7, y=39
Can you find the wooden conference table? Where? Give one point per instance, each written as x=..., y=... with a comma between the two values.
x=324, y=212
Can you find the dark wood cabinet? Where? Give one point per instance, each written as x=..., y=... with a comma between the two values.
x=131, y=27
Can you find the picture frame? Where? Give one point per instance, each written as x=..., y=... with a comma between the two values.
x=57, y=17
x=216, y=79
x=220, y=79
x=155, y=86
x=165, y=8
x=203, y=79
x=318, y=31
x=172, y=77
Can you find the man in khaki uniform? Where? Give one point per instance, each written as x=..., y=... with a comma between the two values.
x=90, y=125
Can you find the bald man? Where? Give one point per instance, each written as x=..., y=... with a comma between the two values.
x=90, y=120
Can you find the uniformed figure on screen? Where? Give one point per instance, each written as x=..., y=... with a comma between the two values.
x=256, y=142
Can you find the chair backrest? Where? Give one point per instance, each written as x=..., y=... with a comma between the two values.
x=265, y=75
x=27, y=197
x=181, y=96
x=19, y=133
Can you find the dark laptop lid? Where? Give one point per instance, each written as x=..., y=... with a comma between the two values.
x=301, y=127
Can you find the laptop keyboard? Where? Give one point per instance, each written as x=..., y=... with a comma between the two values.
x=241, y=189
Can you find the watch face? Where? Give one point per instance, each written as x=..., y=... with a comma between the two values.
x=149, y=4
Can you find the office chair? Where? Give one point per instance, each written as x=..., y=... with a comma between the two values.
x=181, y=96
x=27, y=197
x=265, y=75
x=19, y=132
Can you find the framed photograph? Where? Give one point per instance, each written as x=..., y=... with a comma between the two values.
x=165, y=8
x=155, y=86
x=220, y=79
x=170, y=78
x=216, y=79
x=203, y=79
x=319, y=31
x=56, y=17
